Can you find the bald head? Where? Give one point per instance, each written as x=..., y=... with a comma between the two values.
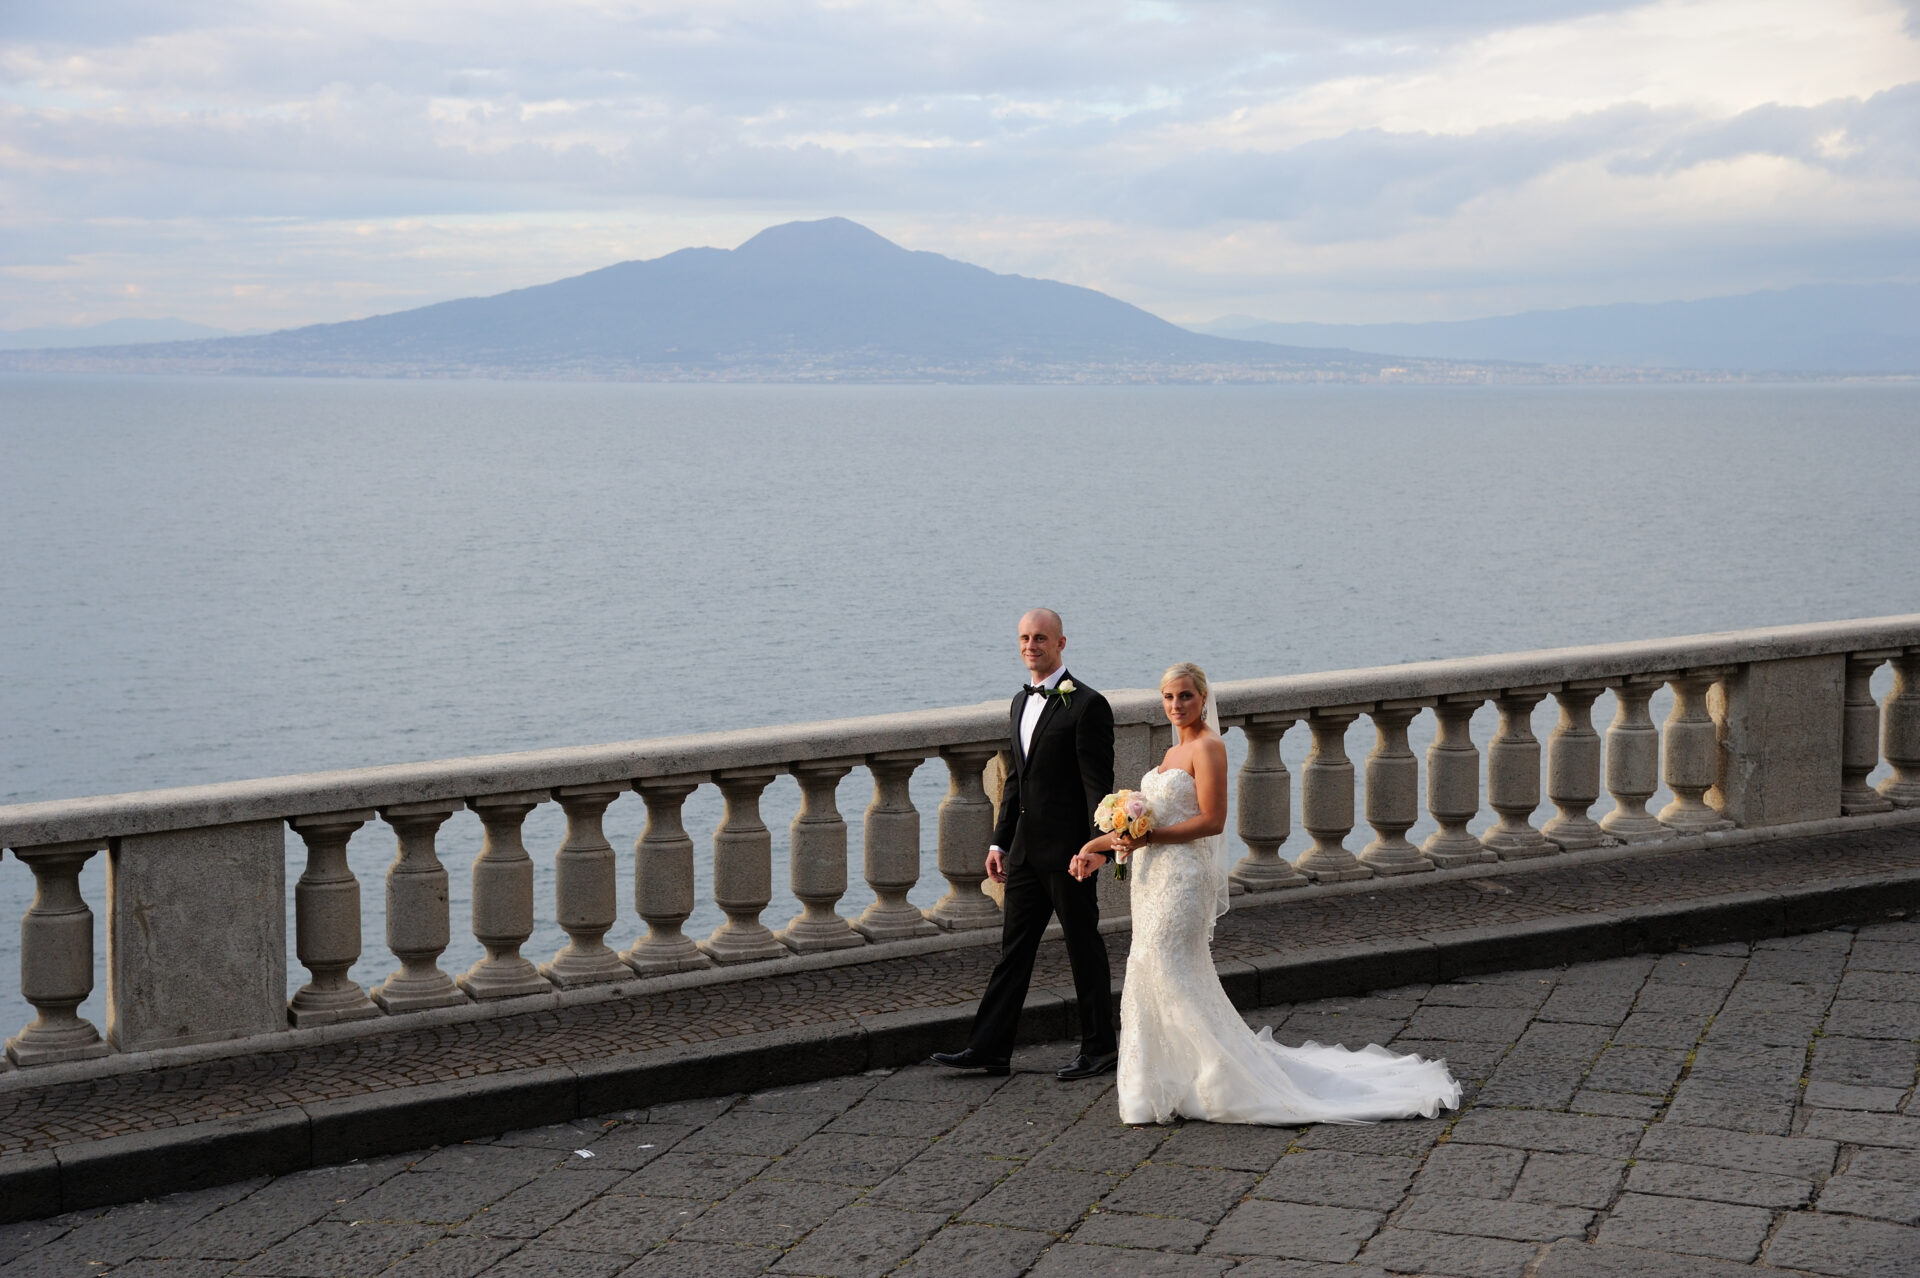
x=1042, y=640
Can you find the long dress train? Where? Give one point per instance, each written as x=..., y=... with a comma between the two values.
x=1184, y=1049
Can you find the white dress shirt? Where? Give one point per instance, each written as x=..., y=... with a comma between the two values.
x=1030, y=718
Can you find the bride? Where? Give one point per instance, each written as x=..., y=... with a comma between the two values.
x=1183, y=1048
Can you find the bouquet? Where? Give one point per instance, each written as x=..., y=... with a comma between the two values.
x=1124, y=812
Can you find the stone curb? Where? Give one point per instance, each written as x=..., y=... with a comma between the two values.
x=122, y=1168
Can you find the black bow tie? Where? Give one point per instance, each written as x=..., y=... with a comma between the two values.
x=1034, y=689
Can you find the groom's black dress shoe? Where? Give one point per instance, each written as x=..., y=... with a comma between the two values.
x=970, y=1059
x=1085, y=1066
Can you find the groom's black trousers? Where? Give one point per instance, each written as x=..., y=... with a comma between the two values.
x=1033, y=897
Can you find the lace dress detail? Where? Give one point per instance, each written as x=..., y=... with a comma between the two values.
x=1184, y=1049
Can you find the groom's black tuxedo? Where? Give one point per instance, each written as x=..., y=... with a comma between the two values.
x=1046, y=815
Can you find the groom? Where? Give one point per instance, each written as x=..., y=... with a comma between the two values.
x=1062, y=740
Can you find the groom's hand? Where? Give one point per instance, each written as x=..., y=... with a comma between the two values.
x=996, y=866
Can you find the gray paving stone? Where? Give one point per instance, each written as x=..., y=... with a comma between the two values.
x=1719, y=1184
x=1192, y=1193
x=861, y=1242
x=1158, y=1233
x=1588, y=1005
x=559, y=1137
x=1886, y=1164
x=828, y=1096
x=1522, y=994
x=1416, y=1251
x=754, y=1132
x=1897, y=1201
x=942, y=1182
x=1879, y=1100
x=1469, y=1024
x=1687, y=1001
x=1296, y=1230
x=692, y=1113
x=1519, y=1221
x=1840, y=938
x=441, y=1197
x=1697, y=969
x=976, y=1251
x=1347, y=1031
x=711, y=1176
x=169, y=1269
x=1273, y=1267
x=1883, y=987
x=114, y=1235
x=1101, y=1142
x=1884, y=956
x=1844, y=1246
x=1571, y=1259
x=1335, y=1179
x=1630, y=970
x=457, y=1256
x=1858, y=1018
x=539, y=1205
x=1660, y=1029
x=846, y=1159
x=331, y=1249
x=1226, y=1145
x=1532, y=1083
x=881, y=1116
x=1801, y=967
x=1409, y=1138
x=1763, y=1065
x=632, y=1146
x=932, y=1083
x=1736, y=1106
x=1799, y=1156
x=1616, y=1104
x=770, y=1213
x=1864, y=1062
x=1554, y=1133
x=1656, y=1223
x=1470, y=1171
x=1570, y=1180
x=1005, y=1132
x=276, y=1210
x=679, y=1259
x=1041, y=1198
x=18, y=1239
x=621, y=1224
x=1573, y=1041
x=1895, y=1131
x=1071, y=1260
x=1901, y=930
x=1778, y=998
x=1465, y=1059
x=513, y=1164
x=537, y=1260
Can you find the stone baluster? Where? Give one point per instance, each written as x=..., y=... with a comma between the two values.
x=892, y=848
x=966, y=828
x=818, y=861
x=743, y=871
x=418, y=923
x=1326, y=799
x=1266, y=807
x=663, y=881
x=585, y=890
x=326, y=913
x=503, y=900
x=1860, y=736
x=1900, y=732
x=1573, y=769
x=56, y=959
x=1393, y=792
x=1453, y=785
x=1692, y=749
x=1513, y=778
x=1633, y=763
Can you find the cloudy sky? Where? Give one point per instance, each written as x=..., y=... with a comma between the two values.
x=286, y=161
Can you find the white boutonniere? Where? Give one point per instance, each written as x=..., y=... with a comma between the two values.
x=1065, y=690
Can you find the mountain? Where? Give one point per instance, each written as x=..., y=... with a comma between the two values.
x=1816, y=328
x=117, y=332
x=805, y=300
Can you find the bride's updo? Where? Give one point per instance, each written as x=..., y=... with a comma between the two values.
x=1186, y=670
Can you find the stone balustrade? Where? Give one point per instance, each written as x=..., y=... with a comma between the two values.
x=1768, y=729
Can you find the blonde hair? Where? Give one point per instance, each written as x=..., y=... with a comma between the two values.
x=1187, y=670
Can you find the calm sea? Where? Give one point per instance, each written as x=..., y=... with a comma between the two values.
x=215, y=579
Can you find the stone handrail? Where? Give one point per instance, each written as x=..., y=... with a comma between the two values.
x=1769, y=727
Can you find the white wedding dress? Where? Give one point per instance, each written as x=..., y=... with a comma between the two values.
x=1184, y=1049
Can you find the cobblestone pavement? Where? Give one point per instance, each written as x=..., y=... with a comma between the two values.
x=43, y=1117
x=1711, y=1112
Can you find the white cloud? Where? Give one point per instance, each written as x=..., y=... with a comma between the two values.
x=293, y=160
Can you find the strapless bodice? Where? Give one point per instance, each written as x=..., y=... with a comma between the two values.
x=1173, y=795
